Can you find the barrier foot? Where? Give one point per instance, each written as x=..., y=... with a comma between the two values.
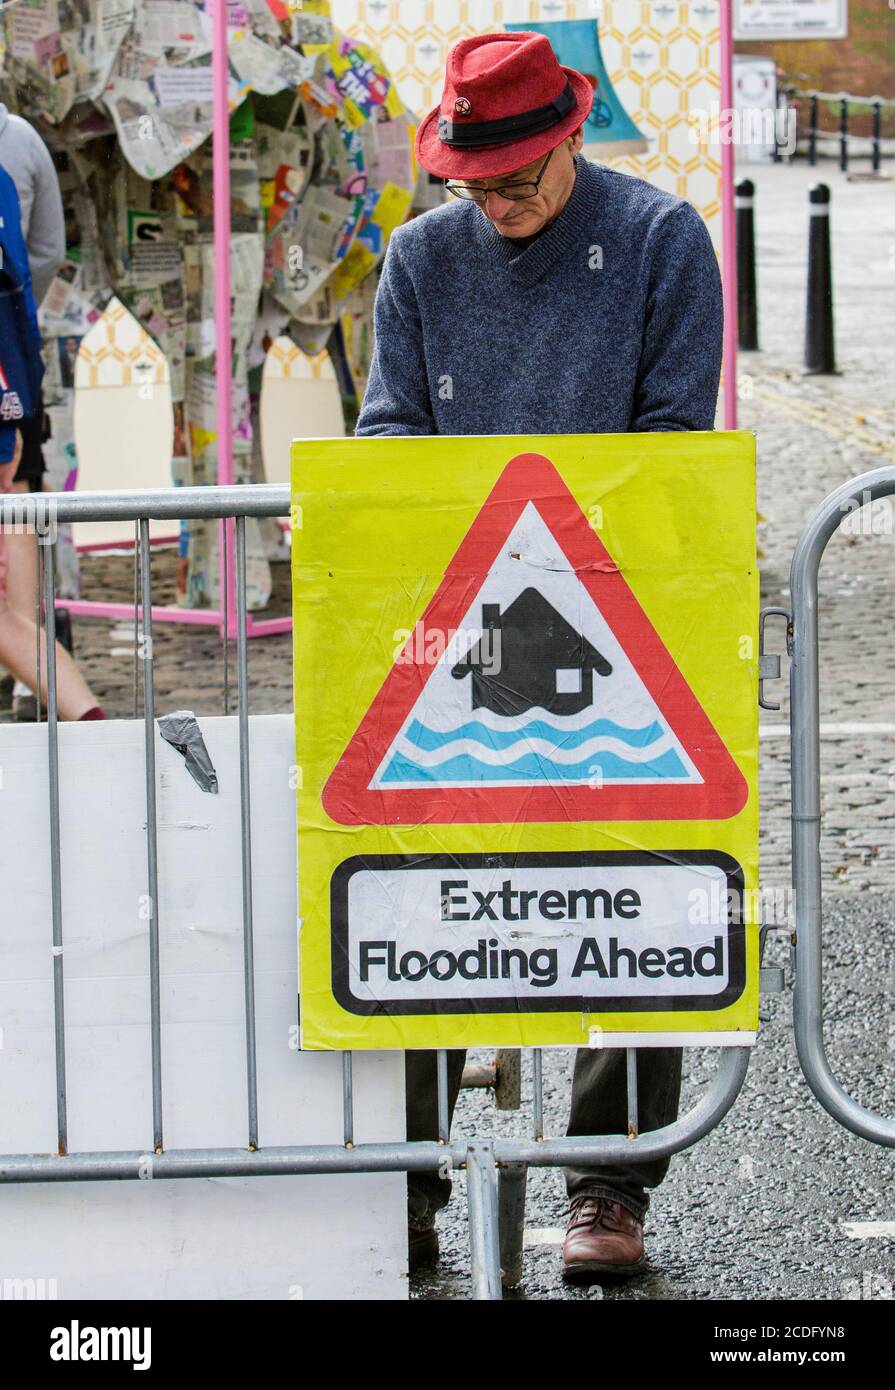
x=484, y=1241
x=511, y=1201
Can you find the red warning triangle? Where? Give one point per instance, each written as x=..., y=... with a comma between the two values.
x=534, y=688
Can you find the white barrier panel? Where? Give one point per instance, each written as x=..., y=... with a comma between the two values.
x=282, y=1238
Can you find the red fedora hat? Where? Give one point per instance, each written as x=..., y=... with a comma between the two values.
x=506, y=101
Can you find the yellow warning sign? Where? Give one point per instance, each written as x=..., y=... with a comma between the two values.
x=526, y=725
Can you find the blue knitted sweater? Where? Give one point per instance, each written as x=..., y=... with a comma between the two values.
x=609, y=321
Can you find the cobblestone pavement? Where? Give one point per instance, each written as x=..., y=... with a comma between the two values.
x=756, y=1209
x=814, y=433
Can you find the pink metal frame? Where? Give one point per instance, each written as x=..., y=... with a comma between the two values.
x=255, y=627
x=728, y=226
x=124, y=544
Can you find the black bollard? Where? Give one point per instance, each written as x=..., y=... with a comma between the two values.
x=747, y=303
x=820, y=355
x=876, y=135
x=812, y=133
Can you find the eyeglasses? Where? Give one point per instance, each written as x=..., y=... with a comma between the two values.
x=513, y=192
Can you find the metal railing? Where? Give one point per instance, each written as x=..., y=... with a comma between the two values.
x=848, y=143
x=495, y=1167
x=808, y=1010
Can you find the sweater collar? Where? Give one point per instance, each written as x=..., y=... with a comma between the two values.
x=527, y=265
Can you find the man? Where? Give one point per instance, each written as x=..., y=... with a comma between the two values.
x=26, y=158
x=555, y=296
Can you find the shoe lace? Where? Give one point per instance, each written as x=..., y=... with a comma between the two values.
x=593, y=1211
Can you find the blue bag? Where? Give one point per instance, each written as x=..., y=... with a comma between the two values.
x=21, y=365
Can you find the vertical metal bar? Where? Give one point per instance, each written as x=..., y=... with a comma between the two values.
x=484, y=1238
x=151, y=837
x=877, y=131
x=347, y=1099
x=245, y=817
x=511, y=1183
x=136, y=617
x=55, y=846
x=631, y=1080
x=38, y=621
x=225, y=599
x=843, y=133
x=38, y=624
x=538, y=1089
x=812, y=133
x=444, y=1124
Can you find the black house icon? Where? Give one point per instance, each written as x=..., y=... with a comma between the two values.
x=530, y=656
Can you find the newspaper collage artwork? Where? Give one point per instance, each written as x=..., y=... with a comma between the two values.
x=322, y=170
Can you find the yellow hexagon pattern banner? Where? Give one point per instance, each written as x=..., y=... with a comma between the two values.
x=661, y=57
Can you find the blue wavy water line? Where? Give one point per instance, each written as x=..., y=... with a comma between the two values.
x=423, y=737
x=533, y=768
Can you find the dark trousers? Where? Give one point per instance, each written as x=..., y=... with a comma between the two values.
x=599, y=1106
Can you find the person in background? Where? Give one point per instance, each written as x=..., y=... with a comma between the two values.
x=29, y=164
x=27, y=160
x=21, y=373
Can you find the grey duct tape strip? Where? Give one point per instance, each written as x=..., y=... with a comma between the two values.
x=182, y=731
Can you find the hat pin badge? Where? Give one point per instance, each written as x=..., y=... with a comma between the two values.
x=462, y=106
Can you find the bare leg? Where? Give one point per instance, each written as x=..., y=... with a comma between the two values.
x=21, y=568
x=18, y=631
x=17, y=651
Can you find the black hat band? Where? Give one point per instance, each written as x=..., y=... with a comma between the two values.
x=474, y=134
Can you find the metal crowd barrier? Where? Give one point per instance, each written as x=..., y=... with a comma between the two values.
x=495, y=1167
x=806, y=803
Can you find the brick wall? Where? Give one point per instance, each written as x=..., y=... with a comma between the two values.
x=863, y=63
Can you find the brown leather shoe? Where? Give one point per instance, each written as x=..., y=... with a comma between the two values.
x=602, y=1237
